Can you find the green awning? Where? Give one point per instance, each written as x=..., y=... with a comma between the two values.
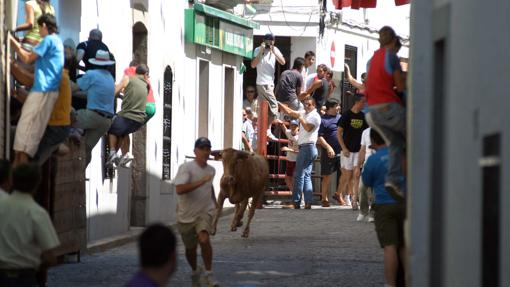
x=208, y=10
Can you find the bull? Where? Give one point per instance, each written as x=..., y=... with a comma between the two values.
x=244, y=176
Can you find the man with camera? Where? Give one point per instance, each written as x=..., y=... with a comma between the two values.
x=264, y=61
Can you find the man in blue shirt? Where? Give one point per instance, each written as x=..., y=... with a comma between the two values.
x=96, y=119
x=389, y=213
x=48, y=56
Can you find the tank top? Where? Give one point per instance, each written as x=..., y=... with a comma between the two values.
x=33, y=34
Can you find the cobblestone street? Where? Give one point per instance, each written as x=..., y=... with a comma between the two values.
x=318, y=247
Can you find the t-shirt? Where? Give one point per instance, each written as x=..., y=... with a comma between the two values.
x=61, y=114
x=135, y=99
x=293, y=144
x=27, y=231
x=141, y=280
x=365, y=140
x=266, y=66
x=380, y=83
x=353, y=125
x=306, y=137
x=374, y=174
x=90, y=48
x=198, y=202
x=131, y=71
x=247, y=129
x=310, y=79
x=254, y=105
x=289, y=86
x=49, y=64
x=100, y=88
x=320, y=93
x=328, y=130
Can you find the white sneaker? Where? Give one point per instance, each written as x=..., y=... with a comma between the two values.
x=347, y=200
x=196, y=277
x=360, y=217
x=112, y=158
x=125, y=160
x=209, y=280
x=370, y=218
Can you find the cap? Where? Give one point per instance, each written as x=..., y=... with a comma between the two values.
x=269, y=36
x=202, y=142
x=294, y=122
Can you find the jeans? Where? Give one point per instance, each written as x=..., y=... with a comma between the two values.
x=390, y=121
x=303, y=173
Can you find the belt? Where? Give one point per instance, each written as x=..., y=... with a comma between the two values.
x=305, y=144
x=17, y=273
x=103, y=114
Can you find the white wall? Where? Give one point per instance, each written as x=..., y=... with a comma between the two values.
x=475, y=106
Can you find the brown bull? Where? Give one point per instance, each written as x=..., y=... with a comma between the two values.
x=244, y=176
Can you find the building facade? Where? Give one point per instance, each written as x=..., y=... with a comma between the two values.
x=196, y=85
x=458, y=122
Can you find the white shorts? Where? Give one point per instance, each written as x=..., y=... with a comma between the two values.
x=348, y=163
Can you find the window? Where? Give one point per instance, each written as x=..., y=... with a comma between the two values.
x=203, y=101
x=228, y=108
x=167, y=122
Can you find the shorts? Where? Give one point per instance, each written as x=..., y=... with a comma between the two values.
x=189, y=231
x=350, y=162
x=329, y=165
x=389, y=224
x=150, y=111
x=122, y=126
x=291, y=166
x=35, y=115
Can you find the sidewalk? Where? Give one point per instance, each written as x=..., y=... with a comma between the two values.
x=130, y=236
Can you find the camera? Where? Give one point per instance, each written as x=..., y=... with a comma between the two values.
x=267, y=44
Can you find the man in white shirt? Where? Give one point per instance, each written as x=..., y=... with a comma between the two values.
x=365, y=194
x=5, y=178
x=264, y=61
x=309, y=123
x=27, y=235
x=196, y=205
x=309, y=61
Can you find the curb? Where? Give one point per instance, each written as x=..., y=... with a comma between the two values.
x=130, y=236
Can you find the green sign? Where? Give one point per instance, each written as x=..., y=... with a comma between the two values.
x=218, y=29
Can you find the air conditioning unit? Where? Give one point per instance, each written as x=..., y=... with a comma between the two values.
x=224, y=4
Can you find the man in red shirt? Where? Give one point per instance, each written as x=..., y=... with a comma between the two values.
x=385, y=86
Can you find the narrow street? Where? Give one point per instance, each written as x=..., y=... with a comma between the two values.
x=318, y=247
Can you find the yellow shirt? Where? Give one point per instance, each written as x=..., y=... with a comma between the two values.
x=33, y=34
x=26, y=231
x=61, y=114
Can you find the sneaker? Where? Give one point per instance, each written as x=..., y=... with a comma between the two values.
x=209, y=280
x=394, y=191
x=125, y=160
x=196, y=277
x=347, y=200
x=370, y=218
x=361, y=217
x=112, y=158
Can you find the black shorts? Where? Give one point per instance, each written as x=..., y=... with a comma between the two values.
x=389, y=224
x=122, y=126
x=329, y=165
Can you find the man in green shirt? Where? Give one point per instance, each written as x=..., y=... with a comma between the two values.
x=132, y=114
